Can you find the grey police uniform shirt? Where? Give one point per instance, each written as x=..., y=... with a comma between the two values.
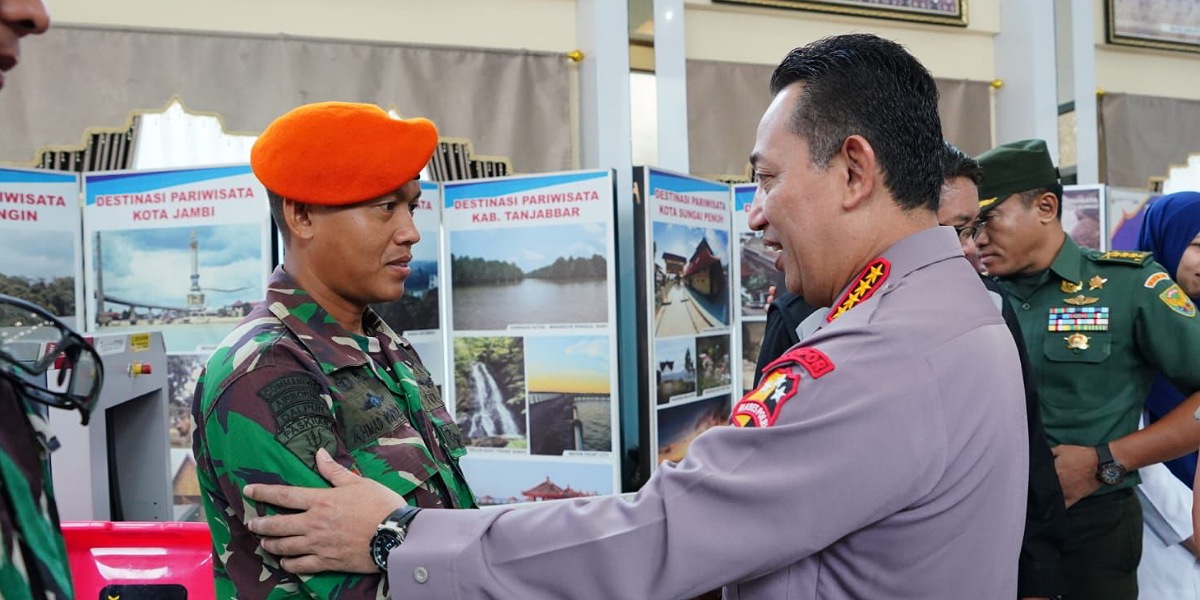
x=900, y=474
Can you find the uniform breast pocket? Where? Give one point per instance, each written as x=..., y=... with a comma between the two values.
x=1077, y=347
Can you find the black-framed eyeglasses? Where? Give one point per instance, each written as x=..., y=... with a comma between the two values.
x=25, y=330
x=971, y=230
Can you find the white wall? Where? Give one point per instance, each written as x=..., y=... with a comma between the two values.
x=764, y=35
x=546, y=25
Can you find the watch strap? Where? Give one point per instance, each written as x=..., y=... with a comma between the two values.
x=1104, y=454
x=401, y=516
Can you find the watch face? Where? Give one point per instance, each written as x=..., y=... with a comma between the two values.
x=382, y=544
x=1112, y=474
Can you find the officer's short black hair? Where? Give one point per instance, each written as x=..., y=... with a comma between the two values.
x=1028, y=196
x=863, y=84
x=956, y=163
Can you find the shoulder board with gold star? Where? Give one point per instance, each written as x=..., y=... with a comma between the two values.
x=1121, y=257
x=869, y=280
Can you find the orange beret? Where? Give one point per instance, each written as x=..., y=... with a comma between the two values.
x=341, y=153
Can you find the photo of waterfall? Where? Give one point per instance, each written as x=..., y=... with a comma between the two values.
x=570, y=394
x=489, y=389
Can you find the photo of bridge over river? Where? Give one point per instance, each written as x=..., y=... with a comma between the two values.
x=570, y=394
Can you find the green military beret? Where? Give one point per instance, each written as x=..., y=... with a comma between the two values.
x=1012, y=168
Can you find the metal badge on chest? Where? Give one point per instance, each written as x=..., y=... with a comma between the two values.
x=1080, y=315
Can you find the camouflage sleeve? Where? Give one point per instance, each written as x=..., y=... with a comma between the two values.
x=1167, y=328
x=266, y=428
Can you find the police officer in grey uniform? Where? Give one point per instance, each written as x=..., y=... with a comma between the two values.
x=883, y=457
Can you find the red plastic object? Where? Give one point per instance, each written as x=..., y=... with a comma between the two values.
x=103, y=554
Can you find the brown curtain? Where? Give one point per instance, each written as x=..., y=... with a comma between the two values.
x=508, y=103
x=1142, y=136
x=726, y=100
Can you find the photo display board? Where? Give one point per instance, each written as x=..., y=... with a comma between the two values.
x=419, y=315
x=41, y=255
x=1083, y=215
x=685, y=253
x=755, y=273
x=183, y=251
x=530, y=265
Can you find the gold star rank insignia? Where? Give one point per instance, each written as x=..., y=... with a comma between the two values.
x=1077, y=341
x=1096, y=282
x=1071, y=288
x=870, y=279
x=1081, y=300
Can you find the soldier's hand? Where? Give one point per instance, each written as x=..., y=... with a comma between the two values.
x=333, y=530
x=1076, y=466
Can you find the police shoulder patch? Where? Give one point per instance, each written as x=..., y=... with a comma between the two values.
x=1122, y=257
x=761, y=407
x=1178, y=301
x=303, y=421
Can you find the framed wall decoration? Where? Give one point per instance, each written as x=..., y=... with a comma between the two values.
x=940, y=12
x=1167, y=24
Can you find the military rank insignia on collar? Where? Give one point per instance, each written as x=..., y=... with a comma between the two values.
x=1178, y=301
x=869, y=280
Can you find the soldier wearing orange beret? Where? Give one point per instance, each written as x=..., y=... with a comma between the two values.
x=313, y=367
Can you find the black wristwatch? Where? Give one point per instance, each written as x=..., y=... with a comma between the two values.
x=390, y=534
x=1108, y=470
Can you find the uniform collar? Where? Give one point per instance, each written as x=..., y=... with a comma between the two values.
x=328, y=342
x=1069, y=262
x=914, y=252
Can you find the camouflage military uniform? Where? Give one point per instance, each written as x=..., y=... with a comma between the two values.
x=33, y=559
x=288, y=381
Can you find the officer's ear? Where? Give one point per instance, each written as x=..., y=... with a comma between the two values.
x=298, y=219
x=1046, y=206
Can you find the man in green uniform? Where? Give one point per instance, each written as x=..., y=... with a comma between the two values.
x=33, y=559
x=1098, y=326
x=312, y=366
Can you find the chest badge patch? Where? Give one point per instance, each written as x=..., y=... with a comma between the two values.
x=1077, y=342
x=870, y=279
x=1096, y=283
x=1178, y=301
x=760, y=408
x=1070, y=288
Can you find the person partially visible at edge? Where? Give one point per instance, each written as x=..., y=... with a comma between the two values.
x=1040, y=569
x=18, y=18
x=1098, y=326
x=1171, y=233
x=33, y=558
x=312, y=367
x=846, y=158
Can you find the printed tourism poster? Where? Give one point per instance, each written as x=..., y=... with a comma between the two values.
x=183, y=251
x=1126, y=209
x=530, y=269
x=685, y=225
x=418, y=314
x=41, y=259
x=755, y=273
x=1083, y=208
